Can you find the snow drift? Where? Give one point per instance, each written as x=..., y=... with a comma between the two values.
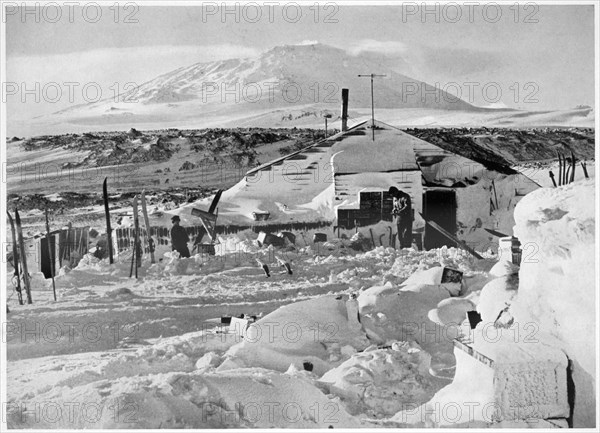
x=558, y=280
x=529, y=362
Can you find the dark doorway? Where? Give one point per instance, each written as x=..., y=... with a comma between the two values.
x=439, y=205
x=46, y=261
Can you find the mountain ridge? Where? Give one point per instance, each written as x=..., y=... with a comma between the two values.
x=289, y=74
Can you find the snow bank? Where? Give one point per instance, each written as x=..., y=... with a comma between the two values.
x=244, y=398
x=557, y=290
x=391, y=313
x=315, y=331
x=38, y=281
x=169, y=384
x=503, y=268
x=410, y=261
x=432, y=276
x=497, y=381
x=88, y=272
x=497, y=296
x=512, y=370
x=451, y=311
x=379, y=382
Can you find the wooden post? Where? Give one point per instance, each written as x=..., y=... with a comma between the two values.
x=67, y=246
x=132, y=260
x=23, y=256
x=16, y=259
x=585, y=172
x=108, y=227
x=50, y=255
x=372, y=238
x=560, y=169
x=495, y=195
x=552, y=177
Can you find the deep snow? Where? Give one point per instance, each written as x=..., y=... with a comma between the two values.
x=123, y=344
x=351, y=339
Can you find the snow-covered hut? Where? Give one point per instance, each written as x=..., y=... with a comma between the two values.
x=343, y=182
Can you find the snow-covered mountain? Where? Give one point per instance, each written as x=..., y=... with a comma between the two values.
x=294, y=74
x=286, y=86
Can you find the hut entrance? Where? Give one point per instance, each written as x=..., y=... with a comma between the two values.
x=46, y=260
x=439, y=205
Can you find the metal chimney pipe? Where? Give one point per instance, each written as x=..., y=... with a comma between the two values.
x=345, y=109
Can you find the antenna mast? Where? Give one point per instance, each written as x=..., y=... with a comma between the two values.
x=372, y=100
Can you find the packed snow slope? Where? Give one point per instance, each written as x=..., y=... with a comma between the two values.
x=147, y=353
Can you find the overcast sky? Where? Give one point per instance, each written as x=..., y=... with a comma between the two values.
x=550, y=46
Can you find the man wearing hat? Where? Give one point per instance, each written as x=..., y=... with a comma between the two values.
x=403, y=212
x=179, y=238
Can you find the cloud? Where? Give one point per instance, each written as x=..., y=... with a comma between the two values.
x=308, y=42
x=497, y=105
x=389, y=48
x=136, y=61
x=110, y=68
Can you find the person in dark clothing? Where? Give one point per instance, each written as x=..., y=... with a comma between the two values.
x=101, y=249
x=402, y=211
x=179, y=238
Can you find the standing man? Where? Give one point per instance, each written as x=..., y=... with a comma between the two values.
x=179, y=238
x=402, y=211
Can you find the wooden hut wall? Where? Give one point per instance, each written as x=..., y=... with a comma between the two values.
x=73, y=243
x=374, y=206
